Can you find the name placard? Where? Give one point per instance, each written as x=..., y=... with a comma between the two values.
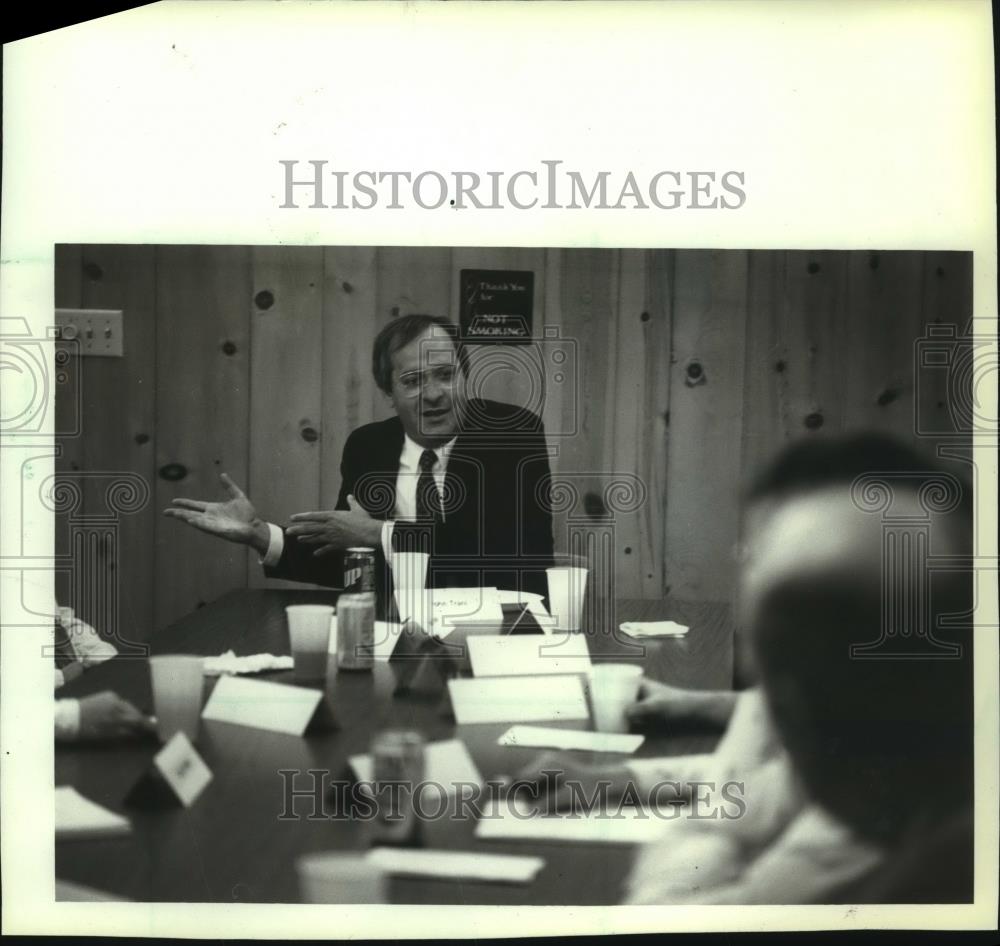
x=262, y=704
x=517, y=699
x=532, y=655
x=178, y=775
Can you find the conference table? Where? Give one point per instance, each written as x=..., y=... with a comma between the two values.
x=232, y=846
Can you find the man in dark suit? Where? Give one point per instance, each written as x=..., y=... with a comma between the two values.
x=463, y=478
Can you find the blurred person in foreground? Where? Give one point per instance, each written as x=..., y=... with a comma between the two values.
x=838, y=757
x=99, y=716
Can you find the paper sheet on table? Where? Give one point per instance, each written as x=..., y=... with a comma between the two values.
x=79, y=817
x=517, y=699
x=446, y=764
x=548, y=737
x=529, y=655
x=457, y=865
x=654, y=629
x=229, y=663
x=514, y=821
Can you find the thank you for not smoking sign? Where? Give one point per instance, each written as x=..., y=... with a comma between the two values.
x=496, y=305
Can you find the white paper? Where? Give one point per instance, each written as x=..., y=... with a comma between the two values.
x=182, y=768
x=546, y=737
x=79, y=817
x=517, y=699
x=513, y=822
x=386, y=635
x=451, y=608
x=654, y=629
x=229, y=663
x=262, y=704
x=446, y=764
x=457, y=865
x=529, y=655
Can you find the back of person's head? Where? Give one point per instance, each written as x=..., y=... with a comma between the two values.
x=400, y=332
x=881, y=741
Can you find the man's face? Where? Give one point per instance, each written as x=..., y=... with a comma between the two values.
x=427, y=388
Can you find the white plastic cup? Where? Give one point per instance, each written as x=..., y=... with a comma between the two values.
x=566, y=587
x=613, y=688
x=309, y=632
x=409, y=576
x=340, y=878
x=177, y=688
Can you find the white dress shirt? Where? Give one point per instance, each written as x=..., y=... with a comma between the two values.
x=406, y=496
x=783, y=848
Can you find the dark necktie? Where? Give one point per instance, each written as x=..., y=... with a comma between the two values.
x=428, y=497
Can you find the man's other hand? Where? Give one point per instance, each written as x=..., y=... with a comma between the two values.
x=234, y=520
x=106, y=715
x=660, y=705
x=336, y=531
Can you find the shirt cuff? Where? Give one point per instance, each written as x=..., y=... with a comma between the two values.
x=67, y=719
x=387, y=539
x=275, y=546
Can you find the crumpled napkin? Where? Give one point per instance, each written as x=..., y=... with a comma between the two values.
x=654, y=629
x=229, y=663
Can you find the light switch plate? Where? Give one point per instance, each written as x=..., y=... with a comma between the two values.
x=95, y=331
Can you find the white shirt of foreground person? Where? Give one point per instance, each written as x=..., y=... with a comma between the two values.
x=90, y=649
x=406, y=496
x=782, y=849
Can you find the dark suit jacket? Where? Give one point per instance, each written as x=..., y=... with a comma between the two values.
x=497, y=528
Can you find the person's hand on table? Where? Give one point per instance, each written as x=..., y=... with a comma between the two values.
x=659, y=705
x=106, y=715
x=564, y=769
x=335, y=531
x=234, y=520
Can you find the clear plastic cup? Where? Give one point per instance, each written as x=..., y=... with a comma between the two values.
x=309, y=632
x=566, y=588
x=340, y=878
x=177, y=688
x=613, y=688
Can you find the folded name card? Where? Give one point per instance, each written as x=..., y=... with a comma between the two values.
x=543, y=737
x=531, y=655
x=447, y=764
x=262, y=704
x=443, y=610
x=457, y=865
x=178, y=775
x=517, y=699
x=78, y=817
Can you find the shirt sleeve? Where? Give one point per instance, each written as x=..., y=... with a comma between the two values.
x=87, y=644
x=275, y=546
x=67, y=719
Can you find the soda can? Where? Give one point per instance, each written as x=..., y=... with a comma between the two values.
x=398, y=759
x=359, y=570
x=356, y=631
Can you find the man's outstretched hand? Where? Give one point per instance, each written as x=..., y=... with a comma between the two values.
x=337, y=530
x=234, y=520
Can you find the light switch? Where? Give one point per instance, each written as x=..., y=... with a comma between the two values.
x=97, y=331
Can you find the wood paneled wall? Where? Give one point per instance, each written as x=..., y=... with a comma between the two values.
x=687, y=368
